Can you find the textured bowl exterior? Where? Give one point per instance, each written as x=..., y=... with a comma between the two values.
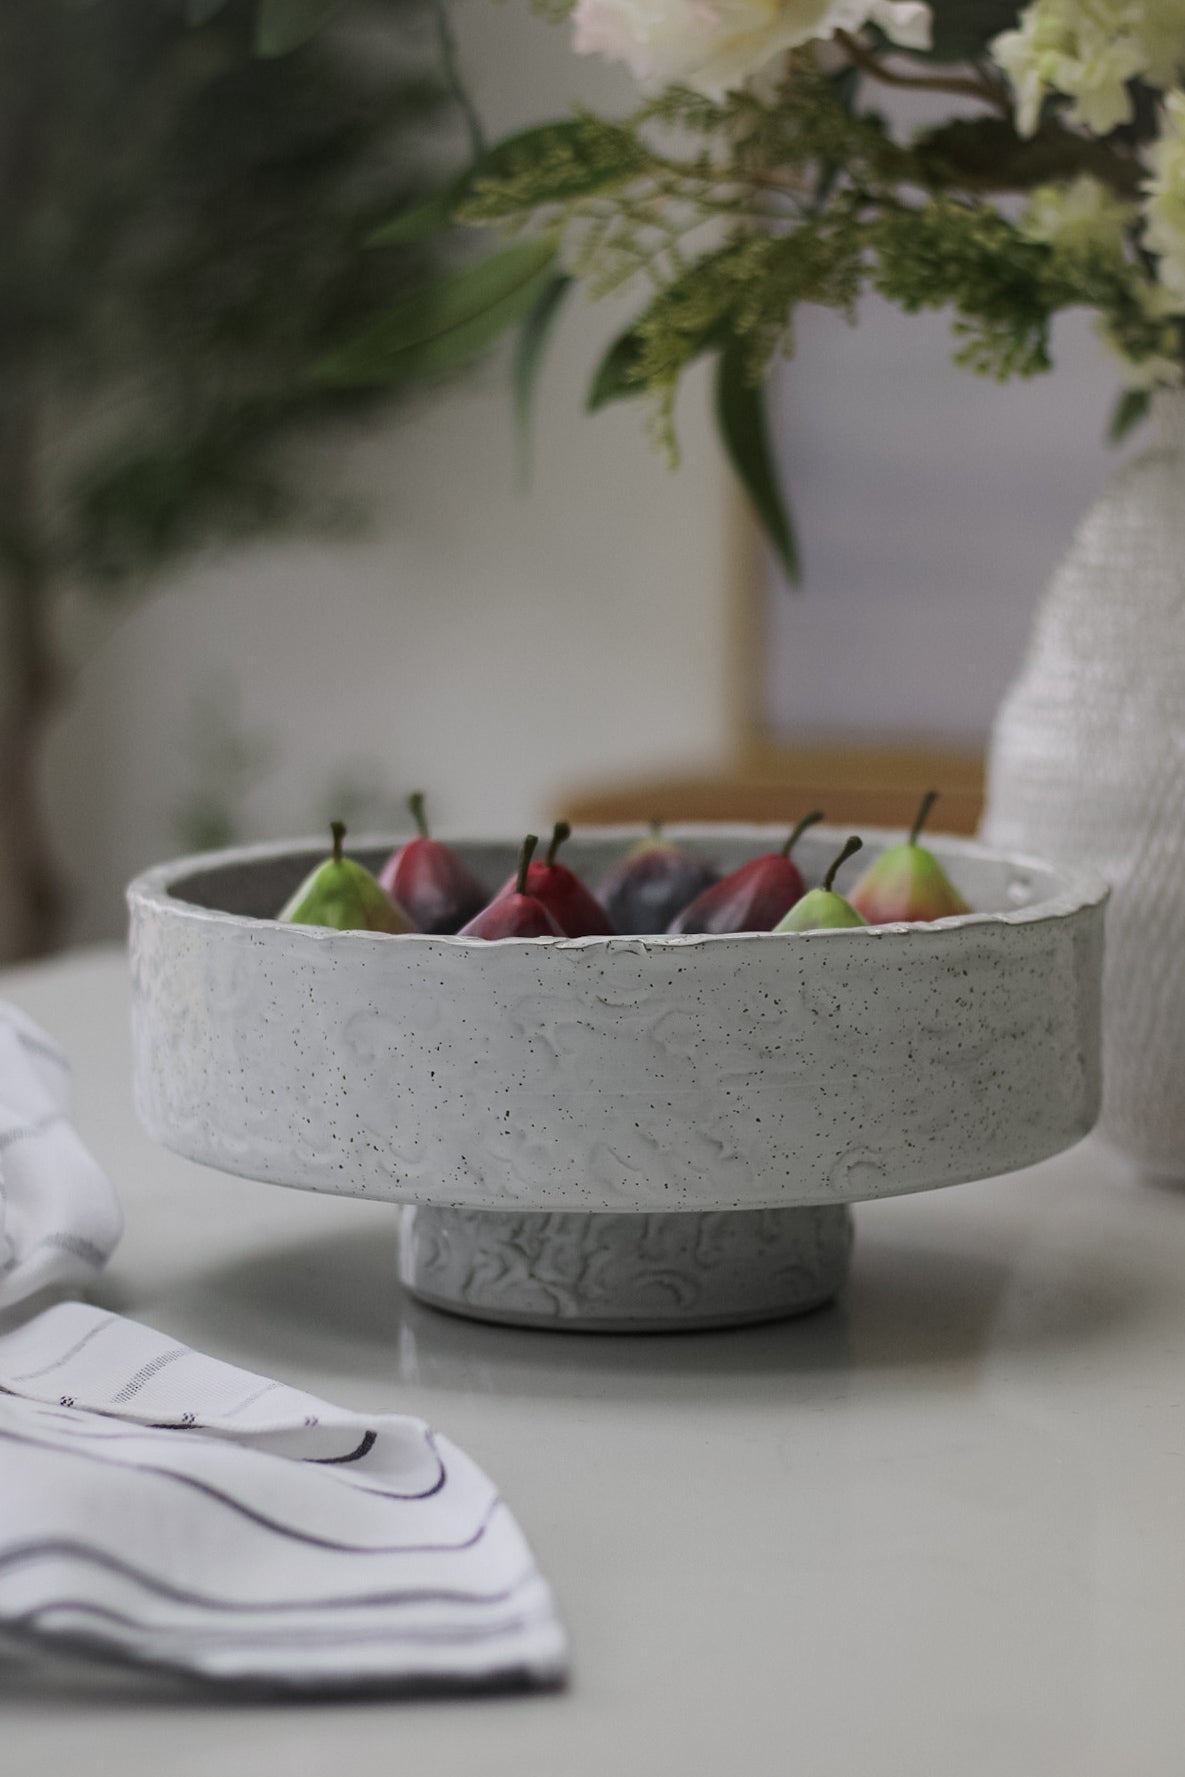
x=625, y=1273
x=756, y=1071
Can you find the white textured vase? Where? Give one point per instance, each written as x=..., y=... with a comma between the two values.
x=1087, y=767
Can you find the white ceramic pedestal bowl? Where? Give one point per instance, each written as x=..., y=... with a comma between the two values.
x=618, y=1133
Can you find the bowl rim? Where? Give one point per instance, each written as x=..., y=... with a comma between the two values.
x=1082, y=888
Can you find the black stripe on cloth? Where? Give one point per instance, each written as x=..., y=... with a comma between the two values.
x=245, y=1511
x=48, y=1369
x=144, y=1375
x=53, y=1549
x=70, y=1415
x=369, y=1440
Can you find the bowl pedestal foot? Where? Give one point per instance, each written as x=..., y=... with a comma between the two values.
x=625, y=1273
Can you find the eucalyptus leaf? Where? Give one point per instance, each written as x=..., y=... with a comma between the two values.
x=447, y=323
x=744, y=430
x=1129, y=410
x=283, y=25
x=616, y=376
x=533, y=339
x=420, y=223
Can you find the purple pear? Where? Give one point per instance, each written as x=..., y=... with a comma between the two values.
x=645, y=890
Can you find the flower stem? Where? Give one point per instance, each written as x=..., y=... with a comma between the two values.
x=864, y=59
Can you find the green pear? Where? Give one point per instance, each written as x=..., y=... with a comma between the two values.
x=343, y=894
x=821, y=908
x=907, y=882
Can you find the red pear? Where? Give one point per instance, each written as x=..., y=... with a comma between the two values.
x=753, y=898
x=429, y=879
x=515, y=913
x=570, y=904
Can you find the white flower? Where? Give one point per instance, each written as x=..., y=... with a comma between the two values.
x=903, y=22
x=1082, y=216
x=1162, y=31
x=715, y=45
x=1164, y=196
x=1158, y=369
x=1089, y=50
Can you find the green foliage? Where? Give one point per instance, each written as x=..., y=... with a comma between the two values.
x=423, y=221
x=185, y=231
x=446, y=323
x=727, y=215
x=742, y=294
x=714, y=297
x=744, y=432
x=557, y=163
x=620, y=374
x=955, y=255
x=1005, y=289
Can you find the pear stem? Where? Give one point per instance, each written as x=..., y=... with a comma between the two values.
x=338, y=829
x=525, y=853
x=655, y=827
x=850, y=845
x=559, y=833
x=928, y=801
x=808, y=820
x=415, y=803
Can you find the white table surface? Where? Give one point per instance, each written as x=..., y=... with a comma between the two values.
x=937, y=1529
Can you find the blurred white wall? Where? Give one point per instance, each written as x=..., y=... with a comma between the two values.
x=932, y=507
x=490, y=646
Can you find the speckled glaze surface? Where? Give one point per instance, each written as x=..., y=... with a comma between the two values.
x=624, y=1075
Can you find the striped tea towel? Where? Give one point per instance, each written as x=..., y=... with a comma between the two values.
x=161, y=1506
